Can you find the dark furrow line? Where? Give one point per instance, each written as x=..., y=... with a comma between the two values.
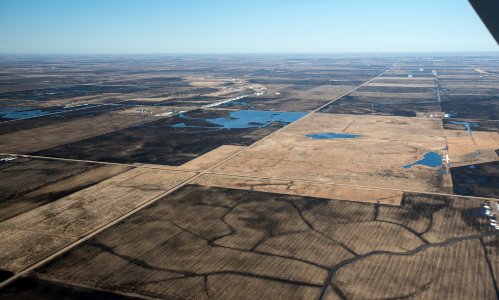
x=261, y=241
x=232, y=230
x=423, y=247
x=376, y=210
x=213, y=205
x=348, y=126
x=205, y=278
x=287, y=233
x=135, y=261
x=430, y=225
x=264, y=277
x=336, y=289
x=251, y=251
x=426, y=286
x=172, y=278
x=309, y=225
x=271, y=235
x=491, y=270
x=408, y=229
x=143, y=264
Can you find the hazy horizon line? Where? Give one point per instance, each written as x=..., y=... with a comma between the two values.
x=241, y=53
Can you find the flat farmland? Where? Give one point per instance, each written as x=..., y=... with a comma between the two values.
x=480, y=179
x=390, y=96
x=439, y=280
x=471, y=147
x=176, y=140
x=471, y=96
x=41, y=231
x=374, y=159
x=204, y=242
x=16, y=125
x=29, y=183
x=249, y=177
x=64, y=132
x=307, y=188
x=281, y=97
x=385, y=104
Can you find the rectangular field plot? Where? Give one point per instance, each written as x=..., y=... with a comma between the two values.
x=390, y=97
x=27, y=136
x=302, y=188
x=414, y=70
x=474, y=146
x=327, y=72
x=202, y=243
x=373, y=103
x=472, y=106
x=32, y=123
x=371, y=151
x=471, y=96
x=474, y=125
x=69, y=92
x=177, y=140
x=37, y=233
x=290, y=98
x=480, y=180
x=26, y=184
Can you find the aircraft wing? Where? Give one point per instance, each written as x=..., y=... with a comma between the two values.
x=488, y=10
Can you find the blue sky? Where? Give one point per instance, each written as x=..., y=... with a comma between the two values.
x=256, y=26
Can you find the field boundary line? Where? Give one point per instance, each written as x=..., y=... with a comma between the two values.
x=143, y=166
x=365, y=187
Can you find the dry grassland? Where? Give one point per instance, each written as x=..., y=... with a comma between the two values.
x=30, y=183
x=373, y=160
x=302, y=188
x=78, y=214
x=465, y=149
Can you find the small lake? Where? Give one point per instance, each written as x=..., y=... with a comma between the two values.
x=20, y=112
x=247, y=119
x=430, y=159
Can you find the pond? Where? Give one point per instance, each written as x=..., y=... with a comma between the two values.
x=21, y=112
x=430, y=159
x=246, y=119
